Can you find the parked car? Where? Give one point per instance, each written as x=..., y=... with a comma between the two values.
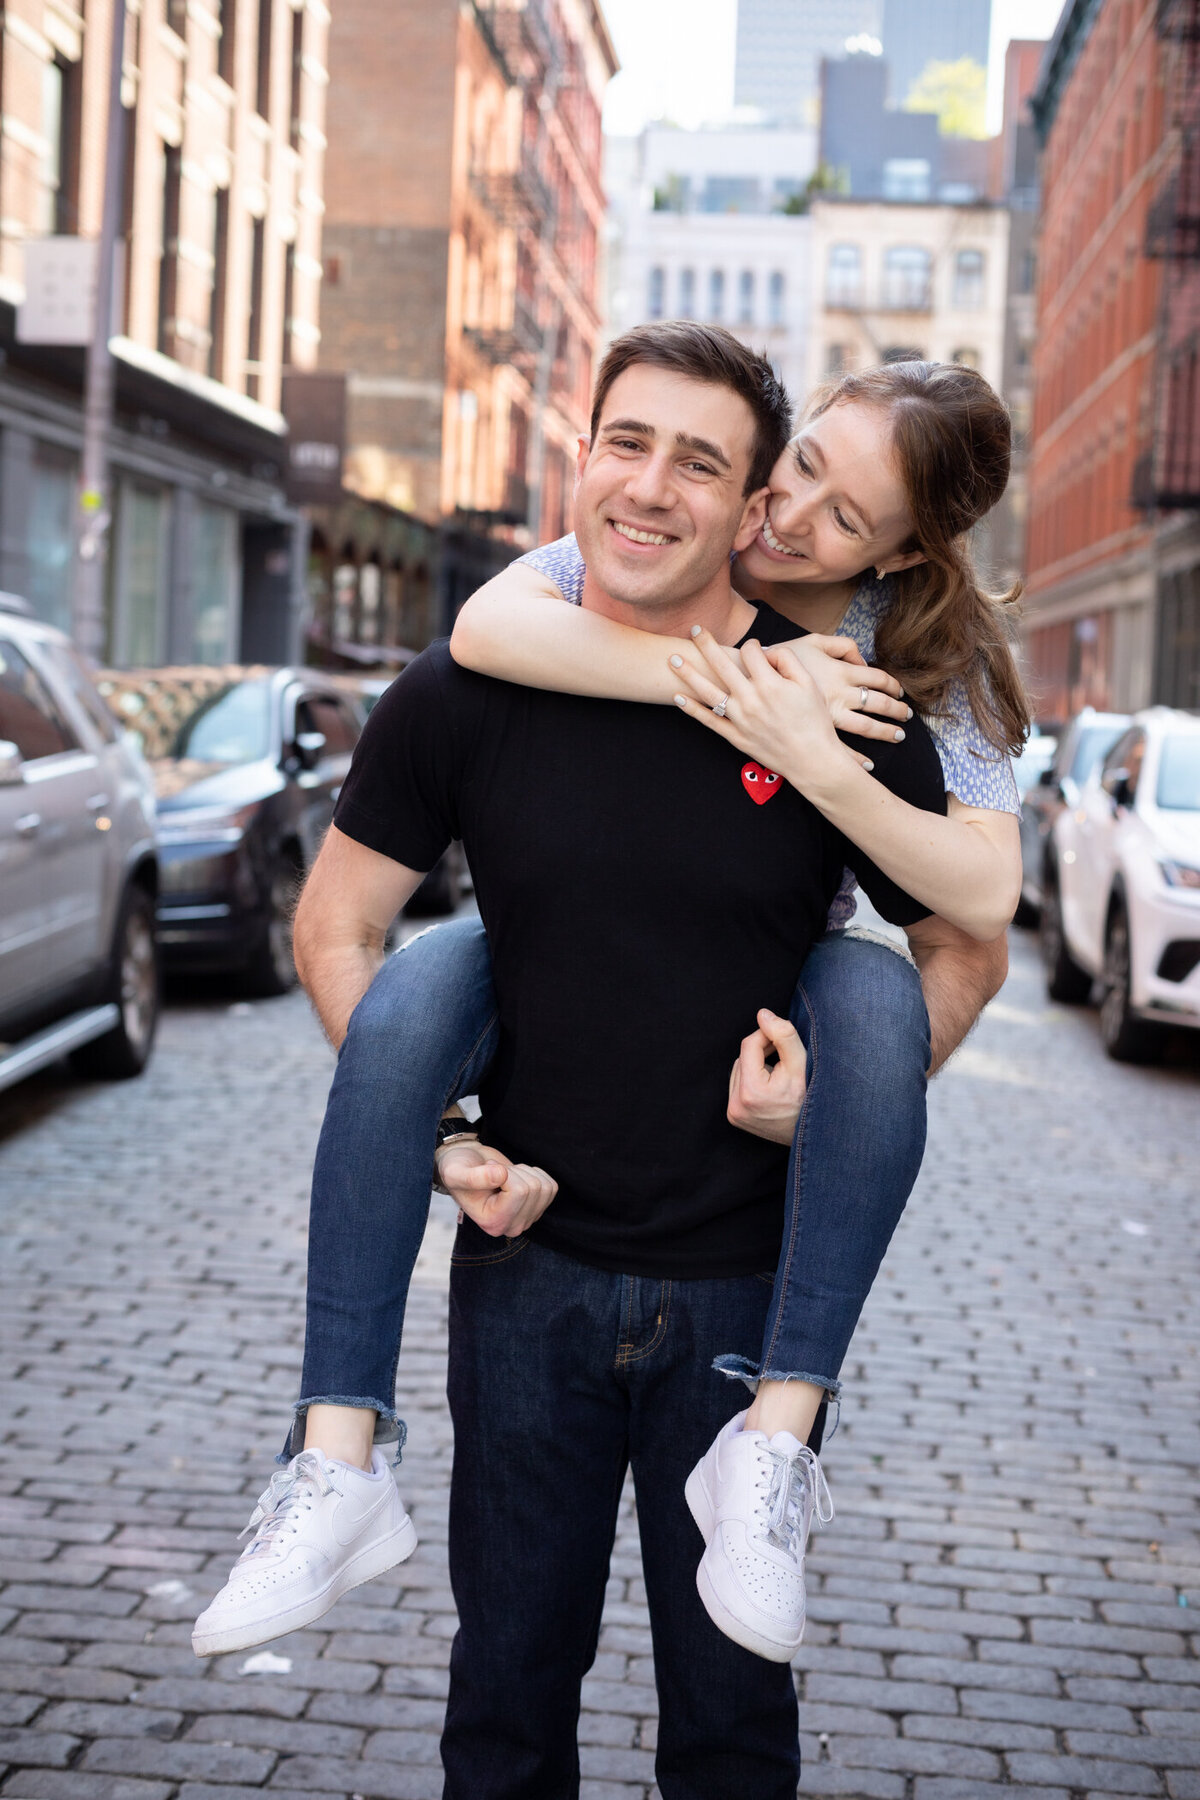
x=247, y=764
x=1086, y=739
x=78, y=866
x=1128, y=906
x=442, y=888
x=1034, y=759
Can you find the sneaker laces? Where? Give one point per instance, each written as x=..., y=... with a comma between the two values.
x=279, y=1501
x=793, y=1478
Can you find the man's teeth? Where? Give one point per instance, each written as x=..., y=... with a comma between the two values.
x=640, y=537
x=773, y=542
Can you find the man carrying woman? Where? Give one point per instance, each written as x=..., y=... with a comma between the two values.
x=646, y=890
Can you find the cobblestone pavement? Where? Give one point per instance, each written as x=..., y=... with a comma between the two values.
x=1008, y=1599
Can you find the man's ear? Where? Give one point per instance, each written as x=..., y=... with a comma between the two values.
x=583, y=447
x=754, y=515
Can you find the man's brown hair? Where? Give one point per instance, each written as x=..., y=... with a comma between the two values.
x=710, y=354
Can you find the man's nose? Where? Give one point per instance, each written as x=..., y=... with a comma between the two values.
x=651, y=483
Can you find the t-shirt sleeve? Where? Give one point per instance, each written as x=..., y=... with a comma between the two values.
x=401, y=795
x=911, y=771
x=978, y=773
x=562, y=564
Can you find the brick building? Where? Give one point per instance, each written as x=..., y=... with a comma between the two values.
x=462, y=236
x=223, y=121
x=1092, y=552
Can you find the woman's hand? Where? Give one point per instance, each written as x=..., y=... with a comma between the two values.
x=778, y=715
x=853, y=690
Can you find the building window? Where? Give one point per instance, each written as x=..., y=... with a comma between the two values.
x=60, y=90
x=655, y=291
x=50, y=527
x=746, y=297
x=837, y=360
x=254, y=333
x=843, y=285
x=716, y=295
x=297, y=92
x=168, y=268
x=266, y=10
x=907, y=278
x=968, y=358
x=968, y=279
x=776, y=295
x=687, y=293
x=215, y=594
x=220, y=278
x=139, y=582
x=227, y=18
x=907, y=178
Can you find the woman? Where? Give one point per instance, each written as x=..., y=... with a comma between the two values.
x=890, y=471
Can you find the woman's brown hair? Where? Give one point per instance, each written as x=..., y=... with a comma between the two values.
x=952, y=438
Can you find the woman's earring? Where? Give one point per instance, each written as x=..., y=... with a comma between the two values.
x=879, y=574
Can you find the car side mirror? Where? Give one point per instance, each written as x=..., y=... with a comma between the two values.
x=12, y=764
x=1116, y=785
x=309, y=745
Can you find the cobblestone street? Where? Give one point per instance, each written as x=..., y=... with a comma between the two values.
x=1008, y=1599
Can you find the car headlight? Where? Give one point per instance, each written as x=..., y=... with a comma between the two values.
x=1180, y=875
x=204, y=825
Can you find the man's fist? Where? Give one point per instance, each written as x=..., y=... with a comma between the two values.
x=765, y=1099
x=503, y=1198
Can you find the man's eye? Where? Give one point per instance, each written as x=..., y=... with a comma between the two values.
x=699, y=468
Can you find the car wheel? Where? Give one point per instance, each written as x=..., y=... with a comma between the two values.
x=134, y=988
x=1126, y=1037
x=272, y=967
x=1065, y=980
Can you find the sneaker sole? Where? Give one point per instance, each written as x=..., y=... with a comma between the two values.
x=375, y=1560
x=726, y=1620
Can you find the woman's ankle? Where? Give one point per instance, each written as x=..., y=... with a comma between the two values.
x=342, y=1433
x=785, y=1406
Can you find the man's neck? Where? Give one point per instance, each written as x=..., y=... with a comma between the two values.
x=722, y=612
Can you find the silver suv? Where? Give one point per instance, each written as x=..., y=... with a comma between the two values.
x=78, y=866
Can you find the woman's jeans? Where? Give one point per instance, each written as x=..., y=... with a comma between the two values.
x=424, y=1034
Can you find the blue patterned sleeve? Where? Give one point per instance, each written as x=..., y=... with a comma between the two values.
x=978, y=773
x=562, y=564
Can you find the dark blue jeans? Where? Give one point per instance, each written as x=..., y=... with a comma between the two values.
x=561, y=1377
x=425, y=1032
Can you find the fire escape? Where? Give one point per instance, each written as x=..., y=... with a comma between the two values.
x=1173, y=237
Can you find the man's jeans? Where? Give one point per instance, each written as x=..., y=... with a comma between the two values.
x=424, y=1034
x=561, y=1376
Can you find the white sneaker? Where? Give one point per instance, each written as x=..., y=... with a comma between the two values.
x=323, y=1528
x=754, y=1499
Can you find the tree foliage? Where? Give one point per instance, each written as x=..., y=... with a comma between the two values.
x=956, y=92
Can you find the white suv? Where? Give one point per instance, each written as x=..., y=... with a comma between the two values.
x=1128, y=860
x=78, y=866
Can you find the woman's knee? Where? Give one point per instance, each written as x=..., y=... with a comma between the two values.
x=433, y=995
x=864, y=996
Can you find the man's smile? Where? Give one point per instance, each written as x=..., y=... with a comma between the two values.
x=636, y=534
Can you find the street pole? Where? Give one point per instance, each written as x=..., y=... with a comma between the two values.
x=95, y=499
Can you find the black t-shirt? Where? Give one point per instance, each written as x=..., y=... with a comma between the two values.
x=645, y=888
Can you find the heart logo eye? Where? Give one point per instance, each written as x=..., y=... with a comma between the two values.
x=761, y=784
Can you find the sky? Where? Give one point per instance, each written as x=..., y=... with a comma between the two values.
x=677, y=57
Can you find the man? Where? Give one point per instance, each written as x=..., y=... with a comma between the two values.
x=641, y=905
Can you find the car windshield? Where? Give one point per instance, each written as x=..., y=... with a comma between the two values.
x=1094, y=742
x=200, y=715
x=1179, y=773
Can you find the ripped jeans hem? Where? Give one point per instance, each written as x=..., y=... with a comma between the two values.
x=389, y=1426
x=740, y=1368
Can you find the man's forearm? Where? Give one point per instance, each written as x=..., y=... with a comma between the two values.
x=335, y=980
x=958, y=983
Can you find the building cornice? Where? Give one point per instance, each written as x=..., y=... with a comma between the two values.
x=1058, y=64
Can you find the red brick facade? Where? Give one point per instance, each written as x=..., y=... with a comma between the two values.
x=1089, y=558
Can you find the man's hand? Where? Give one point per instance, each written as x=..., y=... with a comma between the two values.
x=503, y=1198
x=765, y=1098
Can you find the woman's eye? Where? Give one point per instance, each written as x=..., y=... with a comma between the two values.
x=802, y=463
x=844, y=523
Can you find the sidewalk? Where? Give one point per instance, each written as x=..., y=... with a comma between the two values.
x=1007, y=1600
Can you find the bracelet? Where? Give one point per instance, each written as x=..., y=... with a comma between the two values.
x=452, y=1130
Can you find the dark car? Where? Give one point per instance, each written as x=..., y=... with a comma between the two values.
x=1088, y=737
x=247, y=765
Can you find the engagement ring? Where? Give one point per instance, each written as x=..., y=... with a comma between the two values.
x=723, y=702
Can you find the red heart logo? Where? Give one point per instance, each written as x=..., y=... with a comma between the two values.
x=761, y=784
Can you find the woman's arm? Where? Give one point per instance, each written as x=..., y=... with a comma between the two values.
x=965, y=867
x=518, y=629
